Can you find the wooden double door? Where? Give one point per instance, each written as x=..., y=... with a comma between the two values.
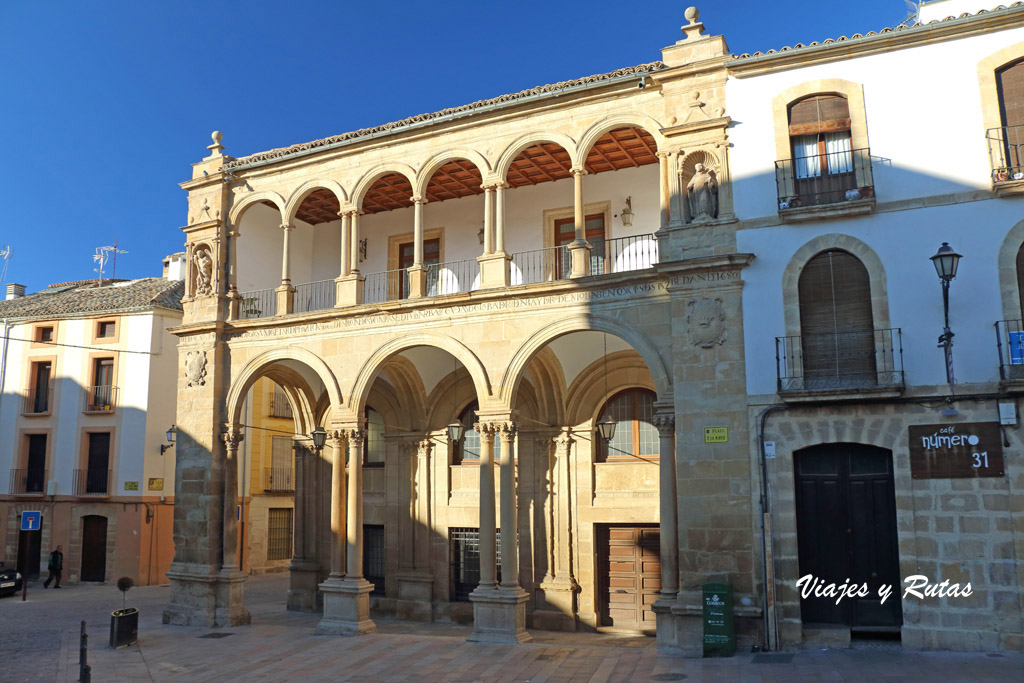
x=629, y=575
x=846, y=530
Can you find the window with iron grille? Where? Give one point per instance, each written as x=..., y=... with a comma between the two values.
x=636, y=437
x=279, y=405
x=279, y=534
x=464, y=562
x=374, y=556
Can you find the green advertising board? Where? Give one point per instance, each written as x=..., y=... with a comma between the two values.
x=719, y=631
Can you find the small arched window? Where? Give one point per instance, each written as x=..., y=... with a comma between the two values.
x=373, y=445
x=469, y=448
x=819, y=134
x=837, y=335
x=636, y=437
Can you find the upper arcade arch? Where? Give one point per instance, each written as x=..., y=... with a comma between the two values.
x=607, y=125
x=373, y=175
x=586, y=323
x=528, y=140
x=272, y=364
x=257, y=198
x=299, y=196
x=433, y=164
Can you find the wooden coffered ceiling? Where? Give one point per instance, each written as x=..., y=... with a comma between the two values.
x=543, y=162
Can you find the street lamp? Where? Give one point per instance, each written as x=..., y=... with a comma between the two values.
x=946, y=261
x=170, y=439
x=319, y=436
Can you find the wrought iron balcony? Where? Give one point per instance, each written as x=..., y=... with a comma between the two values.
x=840, y=362
x=38, y=401
x=278, y=479
x=91, y=482
x=315, y=296
x=31, y=481
x=100, y=399
x=259, y=303
x=823, y=179
x=1010, y=345
x=1006, y=153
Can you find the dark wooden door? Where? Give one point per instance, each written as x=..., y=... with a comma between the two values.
x=35, y=474
x=846, y=529
x=30, y=545
x=94, y=548
x=629, y=575
x=99, y=462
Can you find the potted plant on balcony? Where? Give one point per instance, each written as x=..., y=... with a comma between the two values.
x=1001, y=174
x=867, y=192
x=124, y=622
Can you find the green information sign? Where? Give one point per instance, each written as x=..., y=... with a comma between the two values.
x=719, y=631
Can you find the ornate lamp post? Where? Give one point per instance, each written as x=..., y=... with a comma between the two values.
x=946, y=261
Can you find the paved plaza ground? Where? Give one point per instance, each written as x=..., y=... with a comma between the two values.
x=40, y=643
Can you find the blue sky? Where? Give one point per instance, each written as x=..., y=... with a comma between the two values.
x=104, y=104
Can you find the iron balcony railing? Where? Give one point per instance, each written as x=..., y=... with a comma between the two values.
x=826, y=178
x=279, y=405
x=623, y=254
x=259, y=303
x=28, y=481
x=101, y=399
x=1010, y=345
x=847, y=360
x=453, y=277
x=1006, y=153
x=278, y=479
x=91, y=482
x=315, y=296
x=388, y=285
x=541, y=265
x=38, y=400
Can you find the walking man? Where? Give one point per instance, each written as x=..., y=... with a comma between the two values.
x=56, y=566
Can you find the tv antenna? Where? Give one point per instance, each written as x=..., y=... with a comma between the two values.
x=104, y=254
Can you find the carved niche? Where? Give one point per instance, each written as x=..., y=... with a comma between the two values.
x=202, y=271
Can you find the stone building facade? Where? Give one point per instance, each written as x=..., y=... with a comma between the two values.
x=483, y=291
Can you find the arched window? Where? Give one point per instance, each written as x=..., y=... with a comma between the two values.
x=373, y=445
x=636, y=437
x=469, y=448
x=837, y=335
x=819, y=134
x=1010, y=85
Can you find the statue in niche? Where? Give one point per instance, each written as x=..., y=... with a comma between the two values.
x=203, y=264
x=702, y=195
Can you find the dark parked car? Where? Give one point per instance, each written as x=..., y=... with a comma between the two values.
x=10, y=580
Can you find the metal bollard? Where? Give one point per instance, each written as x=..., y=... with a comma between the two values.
x=84, y=670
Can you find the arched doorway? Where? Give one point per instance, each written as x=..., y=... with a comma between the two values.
x=846, y=531
x=94, y=548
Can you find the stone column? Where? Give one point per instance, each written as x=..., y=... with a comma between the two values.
x=417, y=271
x=349, y=283
x=677, y=198
x=229, y=536
x=509, y=517
x=665, y=421
x=347, y=602
x=494, y=262
x=286, y=293
x=557, y=609
x=499, y=614
x=665, y=194
x=579, y=248
x=234, y=298
x=338, y=520
x=415, y=583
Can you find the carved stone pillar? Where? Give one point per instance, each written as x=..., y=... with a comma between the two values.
x=665, y=194
x=234, y=298
x=415, y=583
x=417, y=271
x=336, y=443
x=495, y=264
x=286, y=293
x=556, y=609
x=509, y=517
x=349, y=284
x=579, y=249
x=229, y=536
x=304, y=568
x=665, y=421
x=347, y=602
x=499, y=614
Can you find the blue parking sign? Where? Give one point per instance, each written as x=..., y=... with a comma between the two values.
x=30, y=521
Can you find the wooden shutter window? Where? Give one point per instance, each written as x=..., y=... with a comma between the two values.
x=819, y=114
x=1010, y=82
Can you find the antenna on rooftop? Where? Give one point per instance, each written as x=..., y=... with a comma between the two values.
x=913, y=10
x=104, y=254
x=5, y=254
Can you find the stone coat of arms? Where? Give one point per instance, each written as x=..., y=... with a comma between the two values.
x=195, y=368
x=705, y=322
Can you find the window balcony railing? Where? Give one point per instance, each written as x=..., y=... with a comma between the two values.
x=279, y=405
x=315, y=296
x=1006, y=153
x=31, y=481
x=91, y=482
x=389, y=285
x=101, y=399
x=453, y=277
x=844, y=361
x=623, y=254
x=259, y=303
x=822, y=179
x=278, y=479
x=38, y=400
x=1010, y=345
x=541, y=265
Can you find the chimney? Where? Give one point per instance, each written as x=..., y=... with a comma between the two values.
x=15, y=291
x=174, y=266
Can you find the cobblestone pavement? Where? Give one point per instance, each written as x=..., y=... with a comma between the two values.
x=40, y=643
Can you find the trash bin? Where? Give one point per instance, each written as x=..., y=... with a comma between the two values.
x=719, y=631
x=124, y=627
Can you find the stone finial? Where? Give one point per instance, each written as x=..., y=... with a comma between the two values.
x=694, y=29
x=216, y=147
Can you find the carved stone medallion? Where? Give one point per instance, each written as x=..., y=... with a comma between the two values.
x=705, y=322
x=195, y=368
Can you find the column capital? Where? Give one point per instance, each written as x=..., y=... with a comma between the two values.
x=232, y=438
x=353, y=435
x=665, y=423
x=507, y=430
x=576, y=170
x=418, y=199
x=663, y=154
x=287, y=226
x=563, y=439
x=424, y=448
x=335, y=439
x=489, y=187
x=347, y=213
